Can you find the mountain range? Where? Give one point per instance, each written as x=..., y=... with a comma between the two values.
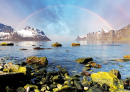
x=113, y=35
x=27, y=34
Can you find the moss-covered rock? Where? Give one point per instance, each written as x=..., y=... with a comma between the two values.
x=56, y=44
x=107, y=78
x=84, y=60
x=16, y=68
x=127, y=56
x=116, y=73
x=75, y=44
x=6, y=44
x=37, y=60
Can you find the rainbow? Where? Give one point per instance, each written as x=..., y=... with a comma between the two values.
x=102, y=19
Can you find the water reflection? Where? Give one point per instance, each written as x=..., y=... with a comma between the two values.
x=116, y=43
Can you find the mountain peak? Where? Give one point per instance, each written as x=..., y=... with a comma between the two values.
x=28, y=33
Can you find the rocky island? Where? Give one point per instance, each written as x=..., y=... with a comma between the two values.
x=7, y=33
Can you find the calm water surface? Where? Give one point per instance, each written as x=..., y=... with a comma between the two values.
x=101, y=52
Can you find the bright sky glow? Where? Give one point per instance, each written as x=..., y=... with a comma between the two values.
x=65, y=17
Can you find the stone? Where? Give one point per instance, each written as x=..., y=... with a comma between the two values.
x=39, y=48
x=84, y=60
x=16, y=68
x=78, y=85
x=30, y=86
x=107, y=78
x=21, y=89
x=23, y=49
x=116, y=73
x=58, y=78
x=94, y=89
x=84, y=73
x=64, y=88
x=56, y=44
x=6, y=44
x=127, y=56
x=75, y=44
x=37, y=60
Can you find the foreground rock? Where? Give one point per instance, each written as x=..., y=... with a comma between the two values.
x=107, y=78
x=56, y=44
x=16, y=68
x=6, y=44
x=84, y=60
x=37, y=60
x=75, y=44
x=116, y=73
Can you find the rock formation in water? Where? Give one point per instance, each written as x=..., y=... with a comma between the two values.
x=103, y=35
x=27, y=34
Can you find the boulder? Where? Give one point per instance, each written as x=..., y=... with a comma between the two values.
x=84, y=60
x=75, y=44
x=116, y=73
x=107, y=78
x=37, y=60
x=127, y=56
x=17, y=69
x=56, y=44
x=6, y=44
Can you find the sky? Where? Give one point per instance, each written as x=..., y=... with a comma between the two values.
x=65, y=19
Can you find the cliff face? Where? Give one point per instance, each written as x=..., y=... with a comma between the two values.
x=27, y=34
x=103, y=35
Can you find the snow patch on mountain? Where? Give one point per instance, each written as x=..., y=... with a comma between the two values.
x=30, y=32
x=83, y=36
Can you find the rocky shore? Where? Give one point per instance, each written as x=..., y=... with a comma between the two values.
x=32, y=76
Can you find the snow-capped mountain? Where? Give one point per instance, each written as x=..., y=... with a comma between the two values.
x=26, y=34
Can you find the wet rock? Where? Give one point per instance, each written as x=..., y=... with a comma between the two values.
x=116, y=73
x=58, y=78
x=23, y=49
x=39, y=48
x=78, y=85
x=84, y=60
x=95, y=65
x=33, y=45
x=107, y=78
x=56, y=44
x=16, y=68
x=30, y=88
x=86, y=83
x=75, y=44
x=64, y=88
x=37, y=60
x=63, y=72
x=105, y=87
x=94, y=89
x=21, y=89
x=127, y=56
x=6, y=44
x=84, y=73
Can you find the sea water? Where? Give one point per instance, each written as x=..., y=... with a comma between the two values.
x=65, y=56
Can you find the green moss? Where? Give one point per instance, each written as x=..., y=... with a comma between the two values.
x=84, y=60
x=56, y=44
x=75, y=44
